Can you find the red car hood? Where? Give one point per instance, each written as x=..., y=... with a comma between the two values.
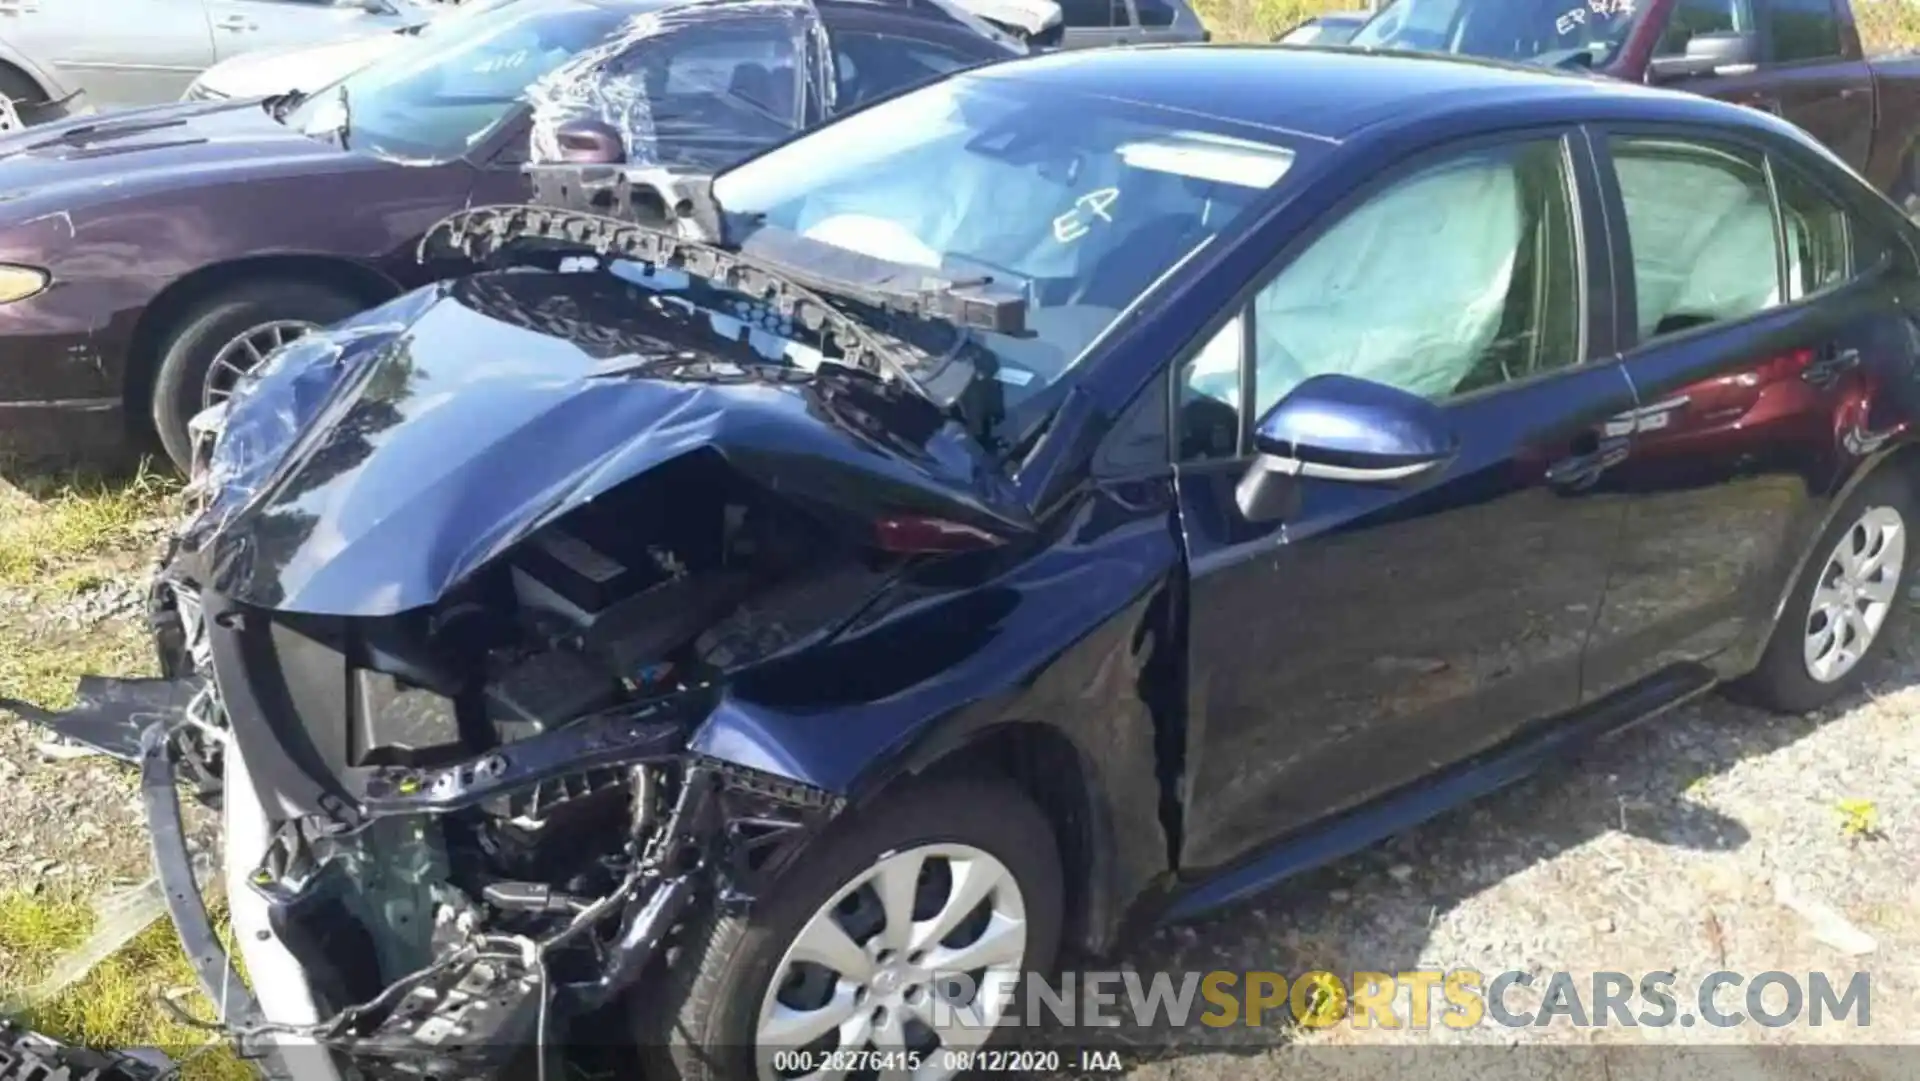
x=56, y=166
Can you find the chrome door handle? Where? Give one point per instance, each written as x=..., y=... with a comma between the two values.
x=236, y=22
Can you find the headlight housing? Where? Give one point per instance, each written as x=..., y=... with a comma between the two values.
x=21, y=282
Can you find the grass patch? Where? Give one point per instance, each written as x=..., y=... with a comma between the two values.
x=53, y=525
x=42, y=667
x=34, y=929
x=117, y=1005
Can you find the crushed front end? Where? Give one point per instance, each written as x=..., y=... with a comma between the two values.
x=438, y=632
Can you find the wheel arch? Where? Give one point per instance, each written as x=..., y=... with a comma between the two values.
x=164, y=313
x=1061, y=779
x=1903, y=458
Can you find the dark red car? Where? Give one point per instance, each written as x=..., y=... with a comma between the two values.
x=147, y=258
x=1800, y=59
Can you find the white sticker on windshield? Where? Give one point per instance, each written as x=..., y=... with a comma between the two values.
x=1017, y=377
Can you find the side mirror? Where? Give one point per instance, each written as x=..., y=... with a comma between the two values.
x=1338, y=428
x=377, y=7
x=585, y=141
x=1724, y=53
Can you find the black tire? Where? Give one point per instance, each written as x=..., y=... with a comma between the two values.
x=698, y=1024
x=17, y=86
x=187, y=352
x=1781, y=682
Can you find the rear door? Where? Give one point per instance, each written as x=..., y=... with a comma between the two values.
x=241, y=26
x=1378, y=633
x=1749, y=349
x=1820, y=79
x=120, y=52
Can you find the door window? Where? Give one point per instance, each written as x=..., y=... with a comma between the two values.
x=1817, y=238
x=871, y=65
x=1463, y=276
x=1700, y=226
x=1690, y=18
x=1099, y=14
x=1154, y=13
x=1801, y=30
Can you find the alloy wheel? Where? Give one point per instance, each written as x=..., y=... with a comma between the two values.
x=1858, y=585
x=244, y=353
x=917, y=954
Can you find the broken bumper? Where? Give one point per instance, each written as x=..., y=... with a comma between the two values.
x=29, y=1056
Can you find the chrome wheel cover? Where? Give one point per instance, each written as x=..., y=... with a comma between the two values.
x=920, y=952
x=1858, y=586
x=244, y=353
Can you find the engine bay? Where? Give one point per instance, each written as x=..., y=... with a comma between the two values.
x=533, y=827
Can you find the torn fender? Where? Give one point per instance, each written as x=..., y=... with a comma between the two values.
x=369, y=469
x=109, y=715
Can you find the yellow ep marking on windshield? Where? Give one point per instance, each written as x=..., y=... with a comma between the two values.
x=1076, y=223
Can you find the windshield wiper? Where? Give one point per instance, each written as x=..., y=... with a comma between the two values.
x=793, y=291
x=279, y=105
x=346, y=117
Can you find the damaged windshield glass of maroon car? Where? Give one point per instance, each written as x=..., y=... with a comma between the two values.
x=1553, y=33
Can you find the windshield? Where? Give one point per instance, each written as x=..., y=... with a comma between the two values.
x=1582, y=33
x=440, y=93
x=1080, y=202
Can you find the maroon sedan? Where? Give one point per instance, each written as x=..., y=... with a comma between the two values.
x=148, y=258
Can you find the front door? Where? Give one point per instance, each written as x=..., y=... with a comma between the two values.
x=1375, y=633
x=136, y=52
x=241, y=26
x=1379, y=632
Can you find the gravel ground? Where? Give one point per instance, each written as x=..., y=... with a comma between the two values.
x=1710, y=839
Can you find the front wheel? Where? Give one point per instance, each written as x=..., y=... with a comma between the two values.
x=1846, y=607
x=899, y=937
x=225, y=337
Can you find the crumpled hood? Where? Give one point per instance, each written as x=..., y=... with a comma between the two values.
x=61, y=166
x=367, y=470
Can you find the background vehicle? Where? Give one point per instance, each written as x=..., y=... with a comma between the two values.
x=1330, y=28
x=1088, y=23
x=1202, y=463
x=308, y=67
x=1800, y=59
x=231, y=227
x=305, y=69
x=141, y=52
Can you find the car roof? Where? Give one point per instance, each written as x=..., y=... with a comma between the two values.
x=1332, y=93
x=922, y=11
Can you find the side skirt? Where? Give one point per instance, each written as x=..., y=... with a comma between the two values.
x=1489, y=772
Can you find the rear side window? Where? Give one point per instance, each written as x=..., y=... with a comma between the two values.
x=1094, y=13
x=1802, y=30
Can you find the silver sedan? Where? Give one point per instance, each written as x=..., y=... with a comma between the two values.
x=68, y=55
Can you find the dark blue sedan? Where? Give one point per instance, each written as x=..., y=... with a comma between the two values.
x=1083, y=490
